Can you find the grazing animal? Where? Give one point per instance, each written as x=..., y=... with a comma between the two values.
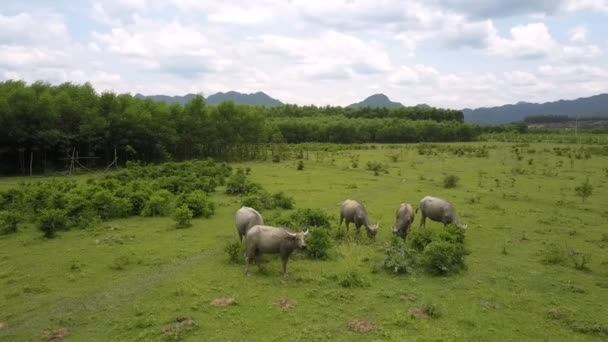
x=438, y=210
x=404, y=219
x=245, y=219
x=354, y=212
x=272, y=240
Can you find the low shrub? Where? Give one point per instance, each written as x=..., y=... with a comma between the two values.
x=300, y=166
x=198, y=203
x=282, y=200
x=443, y=258
x=307, y=218
x=319, y=243
x=182, y=216
x=236, y=252
x=9, y=221
x=259, y=201
x=352, y=279
x=158, y=204
x=50, y=221
x=450, y=181
x=554, y=255
x=239, y=184
x=398, y=259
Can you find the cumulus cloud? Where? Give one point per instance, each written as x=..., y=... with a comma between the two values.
x=578, y=35
x=527, y=41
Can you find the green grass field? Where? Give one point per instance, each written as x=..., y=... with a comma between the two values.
x=131, y=279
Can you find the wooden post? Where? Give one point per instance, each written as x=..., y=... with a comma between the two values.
x=31, y=161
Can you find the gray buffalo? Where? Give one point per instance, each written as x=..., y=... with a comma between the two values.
x=404, y=219
x=272, y=240
x=354, y=212
x=245, y=219
x=438, y=210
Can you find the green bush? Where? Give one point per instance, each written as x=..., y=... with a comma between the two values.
x=319, y=243
x=420, y=238
x=352, y=280
x=282, y=200
x=443, y=258
x=239, y=184
x=300, y=166
x=554, y=255
x=182, y=216
x=236, y=252
x=398, y=259
x=50, y=221
x=159, y=204
x=9, y=221
x=199, y=203
x=307, y=218
x=259, y=201
x=584, y=190
x=450, y=181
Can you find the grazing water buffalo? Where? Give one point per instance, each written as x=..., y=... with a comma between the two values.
x=353, y=211
x=438, y=210
x=405, y=218
x=271, y=240
x=245, y=219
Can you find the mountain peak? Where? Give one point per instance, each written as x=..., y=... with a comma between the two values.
x=376, y=101
x=256, y=99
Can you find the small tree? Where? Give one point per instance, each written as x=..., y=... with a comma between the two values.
x=182, y=215
x=450, y=181
x=8, y=222
x=52, y=220
x=584, y=190
x=300, y=166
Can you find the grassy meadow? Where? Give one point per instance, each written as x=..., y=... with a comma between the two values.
x=537, y=268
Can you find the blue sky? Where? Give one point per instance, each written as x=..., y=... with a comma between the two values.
x=448, y=53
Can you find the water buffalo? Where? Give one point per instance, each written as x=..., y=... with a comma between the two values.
x=404, y=219
x=438, y=210
x=353, y=211
x=245, y=219
x=272, y=240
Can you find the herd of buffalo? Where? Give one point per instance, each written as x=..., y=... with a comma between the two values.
x=263, y=239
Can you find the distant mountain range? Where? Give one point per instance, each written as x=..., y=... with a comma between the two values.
x=594, y=106
x=255, y=99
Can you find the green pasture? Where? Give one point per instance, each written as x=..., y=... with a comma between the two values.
x=141, y=279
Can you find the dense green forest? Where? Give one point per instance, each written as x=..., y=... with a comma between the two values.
x=43, y=126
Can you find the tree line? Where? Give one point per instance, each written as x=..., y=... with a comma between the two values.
x=45, y=127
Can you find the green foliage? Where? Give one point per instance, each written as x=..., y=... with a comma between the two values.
x=398, y=259
x=258, y=201
x=236, y=252
x=239, y=184
x=319, y=243
x=450, y=181
x=308, y=218
x=443, y=258
x=198, y=203
x=584, y=190
x=9, y=221
x=282, y=200
x=183, y=216
x=50, y=221
x=300, y=166
x=159, y=204
x=351, y=280
x=376, y=167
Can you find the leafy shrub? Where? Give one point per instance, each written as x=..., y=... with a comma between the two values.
x=352, y=280
x=300, y=166
x=239, y=184
x=319, y=243
x=579, y=260
x=306, y=218
x=182, y=215
x=584, y=190
x=276, y=158
x=554, y=255
x=259, y=200
x=376, y=167
x=450, y=181
x=52, y=220
x=443, y=258
x=282, y=200
x=138, y=200
x=236, y=252
x=108, y=206
x=9, y=221
x=398, y=259
x=420, y=238
x=158, y=204
x=198, y=203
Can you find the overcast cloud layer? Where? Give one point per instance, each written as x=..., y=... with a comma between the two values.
x=448, y=53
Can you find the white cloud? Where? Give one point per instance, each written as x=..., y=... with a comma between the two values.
x=27, y=29
x=526, y=41
x=414, y=75
x=578, y=35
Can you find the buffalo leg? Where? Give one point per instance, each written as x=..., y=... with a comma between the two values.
x=423, y=221
x=284, y=262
